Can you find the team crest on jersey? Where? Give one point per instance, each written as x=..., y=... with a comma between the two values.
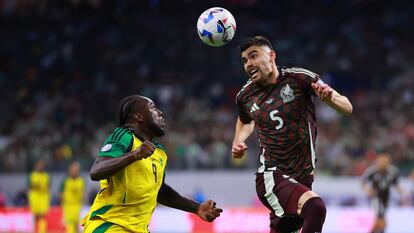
x=287, y=94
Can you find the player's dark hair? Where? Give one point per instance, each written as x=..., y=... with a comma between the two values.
x=124, y=109
x=257, y=40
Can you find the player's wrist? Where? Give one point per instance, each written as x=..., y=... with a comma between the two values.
x=195, y=208
x=136, y=155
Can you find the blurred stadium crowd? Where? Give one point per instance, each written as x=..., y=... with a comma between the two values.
x=64, y=65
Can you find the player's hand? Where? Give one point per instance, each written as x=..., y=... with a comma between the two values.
x=371, y=192
x=208, y=211
x=323, y=91
x=238, y=150
x=146, y=149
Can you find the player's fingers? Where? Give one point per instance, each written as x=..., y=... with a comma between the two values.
x=326, y=92
x=209, y=202
x=218, y=210
x=210, y=216
x=148, y=144
x=241, y=145
x=235, y=150
x=215, y=213
x=237, y=155
x=212, y=204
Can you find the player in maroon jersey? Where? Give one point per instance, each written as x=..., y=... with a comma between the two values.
x=279, y=102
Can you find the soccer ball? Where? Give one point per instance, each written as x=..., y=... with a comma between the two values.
x=216, y=26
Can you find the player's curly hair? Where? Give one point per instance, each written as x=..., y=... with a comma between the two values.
x=125, y=107
x=256, y=40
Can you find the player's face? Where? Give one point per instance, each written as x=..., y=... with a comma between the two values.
x=74, y=170
x=383, y=161
x=155, y=120
x=258, y=62
x=40, y=166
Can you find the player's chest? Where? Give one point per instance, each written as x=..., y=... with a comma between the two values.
x=268, y=105
x=74, y=185
x=40, y=179
x=382, y=181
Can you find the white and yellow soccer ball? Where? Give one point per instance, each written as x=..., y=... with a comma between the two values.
x=216, y=26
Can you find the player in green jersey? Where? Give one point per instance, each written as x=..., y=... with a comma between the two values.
x=133, y=165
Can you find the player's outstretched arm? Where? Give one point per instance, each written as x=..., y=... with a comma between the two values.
x=328, y=95
x=242, y=132
x=106, y=166
x=169, y=197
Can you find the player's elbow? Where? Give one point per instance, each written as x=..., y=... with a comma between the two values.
x=95, y=175
x=348, y=110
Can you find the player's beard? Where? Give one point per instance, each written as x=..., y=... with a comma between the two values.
x=156, y=129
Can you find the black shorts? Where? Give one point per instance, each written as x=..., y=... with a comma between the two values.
x=379, y=206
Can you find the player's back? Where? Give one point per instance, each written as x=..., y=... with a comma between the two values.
x=285, y=116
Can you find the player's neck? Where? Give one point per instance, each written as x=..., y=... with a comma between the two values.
x=272, y=77
x=142, y=134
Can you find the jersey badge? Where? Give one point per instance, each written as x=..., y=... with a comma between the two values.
x=106, y=147
x=287, y=94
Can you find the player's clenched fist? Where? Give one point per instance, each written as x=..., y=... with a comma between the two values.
x=322, y=90
x=146, y=149
x=238, y=150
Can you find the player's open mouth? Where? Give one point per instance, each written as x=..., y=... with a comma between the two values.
x=253, y=72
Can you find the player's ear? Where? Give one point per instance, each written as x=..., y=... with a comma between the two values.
x=138, y=117
x=272, y=55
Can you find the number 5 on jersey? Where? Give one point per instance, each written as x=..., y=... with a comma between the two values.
x=274, y=117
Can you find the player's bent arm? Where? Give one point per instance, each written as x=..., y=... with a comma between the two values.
x=340, y=103
x=169, y=197
x=105, y=166
x=206, y=210
x=243, y=131
x=367, y=188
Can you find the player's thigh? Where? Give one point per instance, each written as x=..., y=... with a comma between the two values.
x=280, y=194
x=99, y=226
x=39, y=205
x=379, y=207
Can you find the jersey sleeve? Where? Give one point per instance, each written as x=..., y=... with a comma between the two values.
x=305, y=78
x=117, y=144
x=367, y=176
x=244, y=117
x=62, y=185
x=395, y=176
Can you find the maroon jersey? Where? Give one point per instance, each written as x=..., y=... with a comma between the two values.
x=285, y=117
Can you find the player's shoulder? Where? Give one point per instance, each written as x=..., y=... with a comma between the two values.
x=120, y=134
x=298, y=72
x=393, y=170
x=247, y=86
x=371, y=170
